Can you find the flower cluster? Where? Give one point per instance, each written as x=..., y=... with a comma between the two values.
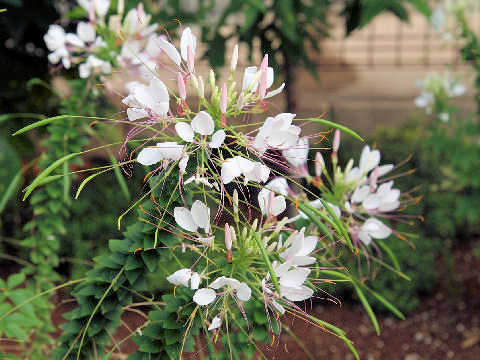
x=240, y=182
x=448, y=15
x=126, y=42
x=437, y=91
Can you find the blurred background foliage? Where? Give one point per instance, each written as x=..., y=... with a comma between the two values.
x=288, y=29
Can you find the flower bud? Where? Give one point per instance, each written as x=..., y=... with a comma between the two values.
x=254, y=80
x=223, y=99
x=319, y=164
x=228, y=237
x=232, y=87
x=373, y=179
x=235, y=201
x=194, y=80
x=233, y=234
x=120, y=7
x=336, y=140
x=212, y=79
x=91, y=12
x=190, y=60
x=233, y=62
x=240, y=101
x=201, y=87
x=262, y=89
x=181, y=87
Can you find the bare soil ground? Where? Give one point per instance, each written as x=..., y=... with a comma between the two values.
x=445, y=326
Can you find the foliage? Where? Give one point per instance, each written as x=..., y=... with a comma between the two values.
x=290, y=31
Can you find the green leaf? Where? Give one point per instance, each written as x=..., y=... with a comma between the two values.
x=333, y=125
x=367, y=307
x=15, y=280
x=40, y=123
x=10, y=191
x=12, y=330
x=150, y=259
x=339, y=224
x=386, y=303
x=28, y=190
x=422, y=6
x=390, y=254
x=84, y=182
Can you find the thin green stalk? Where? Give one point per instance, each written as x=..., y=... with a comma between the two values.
x=267, y=261
x=96, y=308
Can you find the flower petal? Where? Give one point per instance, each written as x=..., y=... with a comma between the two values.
x=230, y=170
x=204, y=296
x=170, y=50
x=217, y=139
x=244, y=292
x=86, y=31
x=293, y=278
x=187, y=39
x=136, y=113
x=184, y=218
x=195, y=281
x=282, y=269
x=274, y=92
x=298, y=294
x=219, y=282
x=201, y=215
x=203, y=123
x=182, y=164
x=180, y=277
x=215, y=324
x=185, y=131
x=149, y=156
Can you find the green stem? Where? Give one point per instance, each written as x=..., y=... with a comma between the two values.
x=267, y=261
x=114, y=281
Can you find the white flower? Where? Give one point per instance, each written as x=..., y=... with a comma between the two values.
x=444, y=116
x=373, y=228
x=100, y=6
x=215, y=324
x=163, y=151
x=183, y=276
x=55, y=37
x=297, y=155
x=458, y=89
x=243, y=290
x=438, y=19
x=191, y=220
x=299, y=247
x=206, y=296
x=55, y=41
x=268, y=201
x=291, y=283
x=249, y=75
x=369, y=159
x=170, y=50
x=426, y=99
x=136, y=23
x=236, y=166
x=92, y=64
x=201, y=124
x=384, y=199
x=187, y=39
x=299, y=293
x=86, y=32
x=278, y=133
x=153, y=98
